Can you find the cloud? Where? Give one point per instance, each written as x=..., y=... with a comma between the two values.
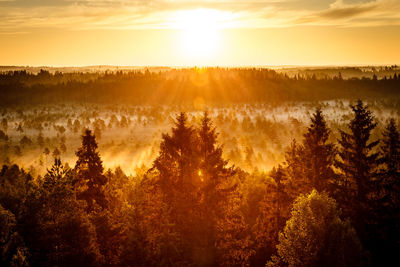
x=25, y=15
x=366, y=13
x=339, y=11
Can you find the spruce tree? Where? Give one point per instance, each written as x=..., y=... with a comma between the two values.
x=294, y=161
x=358, y=166
x=177, y=175
x=177, y=163
x=390, y=150
x=213, y=170
x=318, y=154
x=89, y=173
x=388, y=211
x=274, y=210
x=215, y=184
x=56, y=228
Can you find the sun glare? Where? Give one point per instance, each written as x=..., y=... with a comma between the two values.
x=199, y=36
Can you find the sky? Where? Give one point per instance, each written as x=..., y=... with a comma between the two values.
x=194, y=32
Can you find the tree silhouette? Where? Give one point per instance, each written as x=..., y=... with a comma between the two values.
x=178, y=177
x=388, y=204
x=318, y=154
x=215, y=185
x=89, y=173
x=390, y=150
x=56, y=227
x=357, y=161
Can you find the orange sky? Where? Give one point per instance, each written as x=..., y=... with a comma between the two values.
x=177, y=32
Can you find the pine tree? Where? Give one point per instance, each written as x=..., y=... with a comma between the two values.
x=200, y=197
x=274, y=210
x=388, y=205
x=213, y=170
x=233, y=241
x=390, y=150
x=215, y=184
x=358, y=165
x=279, y=177
x=177, y=161
x=294, y=161
x=318, y=153
x=177, y=172
x=57, y=229
x=89, y=173
x=56, y=174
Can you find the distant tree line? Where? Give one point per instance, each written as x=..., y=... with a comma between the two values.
x=183, y=86
x=327, y=204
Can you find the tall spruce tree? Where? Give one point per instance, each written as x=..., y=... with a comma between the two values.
x=213, y=170
x=89, y=173
x=177, y=172
x=358, y=165
x=215, y=186
x=177, y=163
x=198, y=190
x=388, y=211
x=390, y=150
x=318, y=153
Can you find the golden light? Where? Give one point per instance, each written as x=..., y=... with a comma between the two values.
x=199, y=172
x=200, y=32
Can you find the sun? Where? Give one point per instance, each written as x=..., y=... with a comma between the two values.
x=199, y=32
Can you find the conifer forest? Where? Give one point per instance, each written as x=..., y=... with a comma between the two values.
x=200, y=167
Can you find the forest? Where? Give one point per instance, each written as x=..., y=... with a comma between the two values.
x=183, y=86
x=199, y=167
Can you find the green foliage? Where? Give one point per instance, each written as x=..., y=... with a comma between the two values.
x=315, y=235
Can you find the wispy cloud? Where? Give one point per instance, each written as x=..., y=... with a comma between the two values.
x=23, y=15
x=370, y=13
